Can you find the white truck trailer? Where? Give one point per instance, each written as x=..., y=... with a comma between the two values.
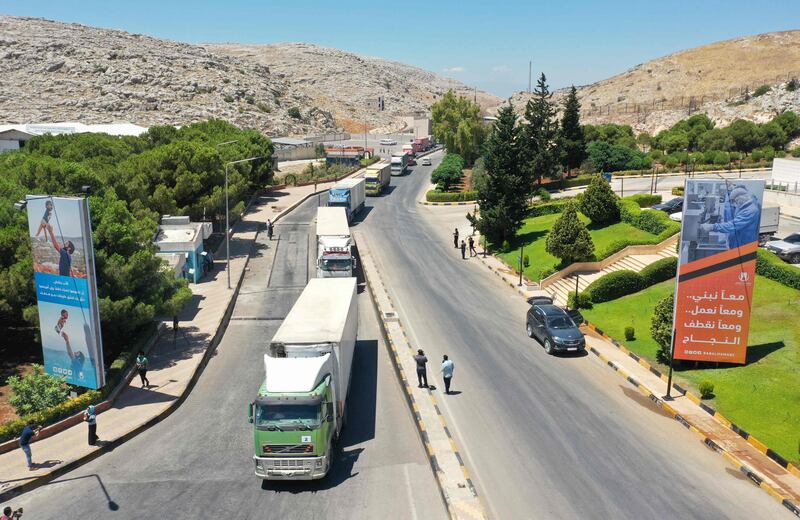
x=334, y=244
x=301, y=406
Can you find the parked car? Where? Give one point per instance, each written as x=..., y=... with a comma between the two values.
x=552, y=327
x=388, y=142
x=671, y=206
x=426, y=161
x=788, y=248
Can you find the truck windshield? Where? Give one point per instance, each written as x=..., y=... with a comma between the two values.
x=371, y=181
x=335, y=264
x=287, y=416
x=339, y=203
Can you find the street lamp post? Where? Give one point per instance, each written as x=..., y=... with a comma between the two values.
x=227, y=218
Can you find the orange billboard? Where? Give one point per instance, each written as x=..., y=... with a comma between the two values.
x=719, y=239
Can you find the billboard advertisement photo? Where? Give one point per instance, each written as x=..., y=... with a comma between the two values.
x=66, y=289
x=716, y=269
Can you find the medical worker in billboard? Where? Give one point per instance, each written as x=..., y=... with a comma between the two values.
x=742, y=226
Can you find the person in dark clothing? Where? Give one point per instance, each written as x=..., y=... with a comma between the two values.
x=64, y=254
x=90, y=416
x=455, y=238
x=463, y=250
x=141, y=366
x=422, y=373
x=472, y=251
x=269, y=229
x=28, y=432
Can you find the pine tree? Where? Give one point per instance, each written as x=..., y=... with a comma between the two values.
x=599, y=202
x=568, y=239
x=503, y=197
x=661, y=328
x=539, y=139
x=571, y=139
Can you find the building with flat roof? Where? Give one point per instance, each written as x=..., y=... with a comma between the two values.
x=177, y=235
x=13, y=137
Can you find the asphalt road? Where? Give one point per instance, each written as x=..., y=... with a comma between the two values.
x=544, y=437
x=197, y=462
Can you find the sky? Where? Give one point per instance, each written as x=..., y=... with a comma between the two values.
x=485, y=44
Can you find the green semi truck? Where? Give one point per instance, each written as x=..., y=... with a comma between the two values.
x=301, y=406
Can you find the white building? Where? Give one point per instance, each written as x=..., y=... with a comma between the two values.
x=13, y=137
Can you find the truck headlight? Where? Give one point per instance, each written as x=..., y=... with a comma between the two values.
x=318, y=463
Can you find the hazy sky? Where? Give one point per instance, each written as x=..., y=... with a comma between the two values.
x=482, y=43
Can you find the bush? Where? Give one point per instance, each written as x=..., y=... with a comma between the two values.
x=760, y=91
x=36, y=391
x=599, y=202
x=264, y=107
x=706, y=390
x=792, y=85
x=614, y=285
x=645, y=200
x=449, y=172
x=630, y=334
x=678, y=191
x=294, y=112
x=580, y=180
x=770, y=266
x=543, y=194
x=440, y=196
x=12, y=429
x=568, y=239
x=548, y=208
x=584, y=301
x=661, y=328
x=659, y=271
x=526, y=261
x=655, y=222
x=228, y=99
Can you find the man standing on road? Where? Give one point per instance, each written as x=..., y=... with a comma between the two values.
x=422, y=373
x=90, y=416
x=455, y=238
x=447, y=372
x=463, y=250
x=28, y=432
x=472, y=251
x=269, y=229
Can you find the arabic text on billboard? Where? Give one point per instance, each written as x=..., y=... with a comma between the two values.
x=719, y=239
x=66, y=289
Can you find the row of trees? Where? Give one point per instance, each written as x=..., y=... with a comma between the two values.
x=134, y=180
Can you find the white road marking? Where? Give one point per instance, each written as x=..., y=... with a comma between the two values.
x=409, y=494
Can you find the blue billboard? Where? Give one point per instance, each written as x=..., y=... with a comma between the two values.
x=66, y=289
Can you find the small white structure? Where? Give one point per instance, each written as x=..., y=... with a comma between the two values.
x=786, y=172
x=13, y=137
x=177, y=235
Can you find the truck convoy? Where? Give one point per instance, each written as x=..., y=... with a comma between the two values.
x=334, y=244
x=301, y=406
x=377, y=177
x=399, y=164
x=349, y=194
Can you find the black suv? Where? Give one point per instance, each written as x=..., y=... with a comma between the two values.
x=671, y=206
x=553, y=327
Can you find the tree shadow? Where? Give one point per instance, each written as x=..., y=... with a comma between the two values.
x=192, y=307
x=529, y=237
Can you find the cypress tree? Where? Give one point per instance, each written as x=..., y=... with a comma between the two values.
x=503, y=197
x=540, y=137
x=599, y=202
x=568, y=239
x=571, y=138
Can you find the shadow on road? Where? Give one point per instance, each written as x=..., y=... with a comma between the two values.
x=362, y=215
x=363, y=394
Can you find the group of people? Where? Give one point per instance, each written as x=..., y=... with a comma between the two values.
x=422, y=371
x=463, y=246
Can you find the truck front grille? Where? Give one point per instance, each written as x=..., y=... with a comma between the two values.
x=284, y=449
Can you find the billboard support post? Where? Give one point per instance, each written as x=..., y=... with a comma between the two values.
x=668, y=397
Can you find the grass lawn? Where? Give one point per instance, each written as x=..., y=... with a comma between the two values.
x=763, y=396
x=533, y=236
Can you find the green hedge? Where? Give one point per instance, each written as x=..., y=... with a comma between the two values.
x=659, y=271
x=441, y=196
x=770, y=266
x=645, y=200
x=547, y=208
x=614, y=285
x=580, y=180
x=655, y=222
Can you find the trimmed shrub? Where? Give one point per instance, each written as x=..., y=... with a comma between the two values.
x=770, y=266
x=630, y=334
x=526, y=261
x=584, y=301
x=645, y=200
x=659, y=271
x=706, y=390
x=599, y=202
x=54, y=414
x=568, y=239
x=678, y=191
x=547, y=208
x=614, y=285
x=440, y=196
x=655, y=222
x=580, y=180
x=543, y=194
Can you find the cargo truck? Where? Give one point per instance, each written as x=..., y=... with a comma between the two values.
x=377, y=177
x=408, y=149
x=334, y=244
x=421, y=144
x=399, y=164
x=301, y=406
x=349, y=194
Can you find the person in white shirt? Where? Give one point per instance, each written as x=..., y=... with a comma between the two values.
x=447, y=372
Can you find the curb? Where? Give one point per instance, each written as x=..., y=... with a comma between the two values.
x=466, y=203
x=66, y=467
x=408, y=393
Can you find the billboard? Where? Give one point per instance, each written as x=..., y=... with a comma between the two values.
x=66, y=289
x=716, y=269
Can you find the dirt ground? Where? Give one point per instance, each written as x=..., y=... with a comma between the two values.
x=17, y=353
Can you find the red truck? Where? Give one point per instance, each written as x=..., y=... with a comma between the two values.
x=421, y=144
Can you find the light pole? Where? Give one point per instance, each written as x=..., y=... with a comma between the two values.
x=227, y=217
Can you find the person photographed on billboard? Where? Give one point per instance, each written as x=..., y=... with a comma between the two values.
x=741, y=222
x=45, y=224
x=77, y=359
x=65, y=252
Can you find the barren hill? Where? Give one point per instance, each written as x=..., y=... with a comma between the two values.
x=714, y=78
x=52, y=71
x=348, y=85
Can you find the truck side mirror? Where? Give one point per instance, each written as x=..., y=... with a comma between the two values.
x=355, y=264
x=250, y=412
x=329, y=418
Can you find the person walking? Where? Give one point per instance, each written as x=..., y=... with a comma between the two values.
x=447, y=372
x=90, y=416
x=141, y=366
x=422, y=372
x=269, y=229
x=463, y=250
x=455, y=238
x=472, y=251
x=28, y=432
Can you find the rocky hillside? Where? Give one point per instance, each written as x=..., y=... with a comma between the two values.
x=51, y=71
x=717, y=79
x=348, y=85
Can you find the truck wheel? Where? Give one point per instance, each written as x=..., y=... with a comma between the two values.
x=795, y=258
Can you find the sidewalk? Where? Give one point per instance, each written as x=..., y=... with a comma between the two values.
x=174, y=367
